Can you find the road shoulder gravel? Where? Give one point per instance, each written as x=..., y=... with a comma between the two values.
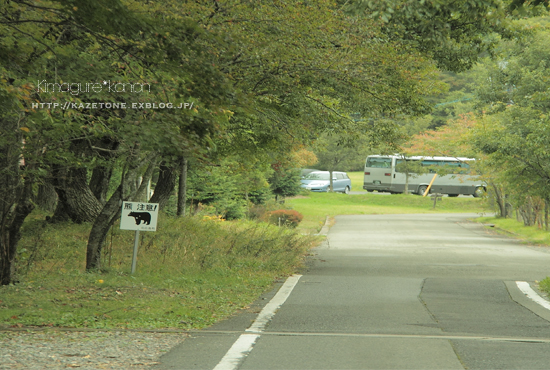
x=58, y=349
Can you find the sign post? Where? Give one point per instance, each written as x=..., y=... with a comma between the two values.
x=138, y=216
x=436, y=197
x=134, y=256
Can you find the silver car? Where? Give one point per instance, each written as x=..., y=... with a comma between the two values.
x=320, y=181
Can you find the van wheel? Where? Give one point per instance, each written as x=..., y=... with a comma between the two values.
x=346, y=190
x=480, y=190
x=422, y=189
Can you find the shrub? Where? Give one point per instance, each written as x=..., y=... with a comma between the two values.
x=260, y=196
x=286, y=217
x=285, y=182
x=261, y=211
x=232, y=209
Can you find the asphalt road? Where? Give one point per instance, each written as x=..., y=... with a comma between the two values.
x=392, y=292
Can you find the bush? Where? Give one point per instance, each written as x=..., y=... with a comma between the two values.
x=260, y=196
x=231, y=209
x=285, y=217
x=285, y=182
x=261, y=212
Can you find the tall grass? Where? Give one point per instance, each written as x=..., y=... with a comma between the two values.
x=190, y=273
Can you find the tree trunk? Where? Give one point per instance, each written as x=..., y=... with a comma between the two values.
x=546, y=214
x=96, y=240
x=407, y=174
x=76, y=199
x=182, y=190
x=165, y=185
x=15, y=195
x=11, y=234
x=46, y=198
x=111, y=210
x=501, y=202
x=99, y=183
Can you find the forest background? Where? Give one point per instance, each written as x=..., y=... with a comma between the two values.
x=266, y=88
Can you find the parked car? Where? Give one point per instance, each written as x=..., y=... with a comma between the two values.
x=320, y=181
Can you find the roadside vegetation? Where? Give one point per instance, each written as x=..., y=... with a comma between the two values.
x=533, y=235
x=191, y=273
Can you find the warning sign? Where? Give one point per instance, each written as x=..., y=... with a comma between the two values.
x=139, y=216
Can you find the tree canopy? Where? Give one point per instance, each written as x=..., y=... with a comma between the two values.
x=90, y=87
x=454, y=33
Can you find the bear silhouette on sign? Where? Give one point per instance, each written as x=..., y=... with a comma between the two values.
x=141, y=216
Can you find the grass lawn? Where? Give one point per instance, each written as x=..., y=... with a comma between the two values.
x=317, y=206
x=357, y=179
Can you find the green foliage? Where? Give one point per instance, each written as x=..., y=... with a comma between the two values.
x=227, y=188
x=518, y=76
x=217, y=188
x=454, y=33
x=521, y=4
x=264, y=79
x=544, y=285
x=285, y=217
x=260, y=196
x=80, y=42
x=304, y=68
x=285, y=182
x=341, y=152
x=515, y=131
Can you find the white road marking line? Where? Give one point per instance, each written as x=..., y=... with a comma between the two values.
x=238, y=351
x=274, y=304
x=243, y=346
x=530, y=293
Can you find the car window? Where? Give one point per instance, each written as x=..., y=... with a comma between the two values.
x=339, y=176
x=317, y=176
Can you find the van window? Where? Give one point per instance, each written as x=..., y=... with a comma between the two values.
x=401, y=168
x=378, y=162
